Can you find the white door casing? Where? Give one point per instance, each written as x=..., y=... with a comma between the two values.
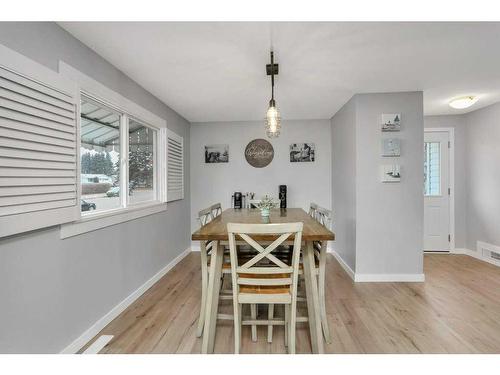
x=437, y=190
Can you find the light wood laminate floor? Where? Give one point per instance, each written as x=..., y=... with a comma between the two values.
x=456, y=310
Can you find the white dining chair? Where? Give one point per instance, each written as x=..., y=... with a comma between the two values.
x=313, y=207
x=264, y=278
x=324, y=217
x=216, y=209
x=205, y=216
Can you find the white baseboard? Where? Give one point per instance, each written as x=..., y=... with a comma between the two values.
x=343, y=264
x=479, y=254
x=90, y=333
x=98, y=344
x=389, y=278
x=195, y=246
x=375, y=278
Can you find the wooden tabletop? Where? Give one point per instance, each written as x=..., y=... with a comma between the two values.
x=217, y=228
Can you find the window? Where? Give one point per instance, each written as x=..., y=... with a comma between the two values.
x=112, y=163
x=99, y=157
x=141, y=162
x=136, y=142
x=432, y=172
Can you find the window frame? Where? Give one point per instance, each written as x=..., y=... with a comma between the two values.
x=99, y=93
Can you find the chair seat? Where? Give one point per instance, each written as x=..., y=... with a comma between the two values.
x=265, y=289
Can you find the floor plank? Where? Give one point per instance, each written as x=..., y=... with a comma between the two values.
x=456, y=310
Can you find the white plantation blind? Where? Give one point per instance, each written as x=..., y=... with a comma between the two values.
x=38, y=152
x=175, y=166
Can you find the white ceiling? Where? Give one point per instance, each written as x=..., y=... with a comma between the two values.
x=216, y=71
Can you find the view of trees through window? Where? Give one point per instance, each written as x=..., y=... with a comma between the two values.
x=100, y=159
x=141, y=162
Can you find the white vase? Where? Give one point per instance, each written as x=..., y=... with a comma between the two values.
x=264, y=212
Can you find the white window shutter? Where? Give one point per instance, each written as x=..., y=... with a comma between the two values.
x=38, y=151
x=175, y=166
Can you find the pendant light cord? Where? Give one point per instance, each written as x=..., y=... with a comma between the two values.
x=272, y=75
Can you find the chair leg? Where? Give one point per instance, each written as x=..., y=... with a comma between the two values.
x=291, y=334
x=324, y=319
x=237, y=326
x=270, y=316
x=204, y=287
x=287, y=322
x=253, y=314
x=321, y=292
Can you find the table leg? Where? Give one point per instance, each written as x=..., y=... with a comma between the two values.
x=212, y=298
x=312, y=297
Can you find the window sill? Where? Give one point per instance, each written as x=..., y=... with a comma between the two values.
x=89, y=223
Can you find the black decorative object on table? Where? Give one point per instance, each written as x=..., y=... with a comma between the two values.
x=282, y=196
x=237, y=200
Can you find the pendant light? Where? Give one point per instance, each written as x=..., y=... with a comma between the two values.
x=273, y=119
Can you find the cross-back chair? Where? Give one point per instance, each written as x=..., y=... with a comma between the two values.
x=324, y=217
x=264, y=278
x=312, y=210
x=216, y=210
x=205, y=216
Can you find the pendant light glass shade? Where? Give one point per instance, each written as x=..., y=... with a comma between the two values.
x=273, y=121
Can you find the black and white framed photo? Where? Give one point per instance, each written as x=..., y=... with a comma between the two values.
x=391, y=147
x=390, y=173
x=217, y=154
x=391, y=122
x=302, y=152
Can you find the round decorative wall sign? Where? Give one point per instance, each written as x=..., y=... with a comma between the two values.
x=259, y=153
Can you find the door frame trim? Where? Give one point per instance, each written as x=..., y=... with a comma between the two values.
x=451, y=138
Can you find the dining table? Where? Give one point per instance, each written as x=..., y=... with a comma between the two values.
x=216, y=231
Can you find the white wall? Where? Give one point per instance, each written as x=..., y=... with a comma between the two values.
x=52, y=290
x=456, y=122
x=306, y=182
x=343, y=125
x=388, y=219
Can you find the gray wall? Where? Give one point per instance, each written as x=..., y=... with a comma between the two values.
x=52, y=290
x=343, y=126
x=456, y=122
x=483, y=176
x=390, y=216
x=477, y=174
x=380, y=224
x=306, y=182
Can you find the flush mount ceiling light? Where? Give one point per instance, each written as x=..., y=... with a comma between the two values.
x=463, y=102
x=273, y=119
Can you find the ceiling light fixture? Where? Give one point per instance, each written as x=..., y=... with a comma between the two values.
x=463, y=102
x=273, y=119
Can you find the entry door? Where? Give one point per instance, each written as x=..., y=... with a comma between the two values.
x=436, y=191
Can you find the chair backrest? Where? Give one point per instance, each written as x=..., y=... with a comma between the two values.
x=216, y=210
x=324, y=217
x=205, y=216
x=262, y=268
x=313, y=207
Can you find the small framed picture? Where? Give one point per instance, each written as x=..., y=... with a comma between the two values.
x=302, y=152
x=390, y=173
x=391, y=147
x=216, y=154
x=391, y=122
